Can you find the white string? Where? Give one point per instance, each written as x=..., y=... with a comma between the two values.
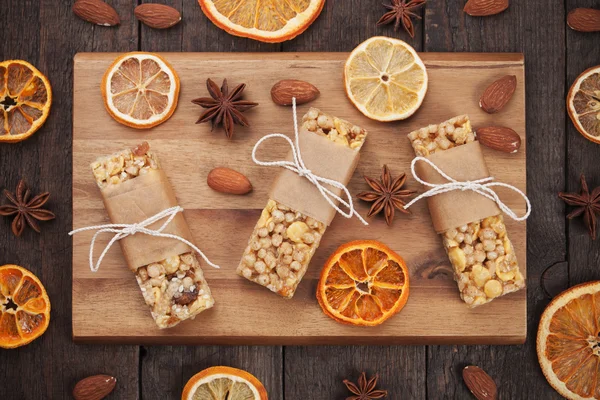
x=481, y=186
x=298, y=167
x=123, y=230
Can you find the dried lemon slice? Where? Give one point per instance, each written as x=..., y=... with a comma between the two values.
x=583, y=103
x=223, y=383
x=140, y=90
x=385, y=79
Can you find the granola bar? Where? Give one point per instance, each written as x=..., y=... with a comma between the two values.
x=174, y=288
x=482, y=256
x=284, y=240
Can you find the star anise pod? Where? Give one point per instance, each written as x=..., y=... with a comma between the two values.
x=586, y=203
x=402, y=11
x=365, y=390
x=387, y=195
x=224, y=107
x=25, y=210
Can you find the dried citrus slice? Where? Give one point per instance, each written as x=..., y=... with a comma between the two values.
x=568, y=342
x=268, y=21
x=583, y=103
x=24, y=307
x=385, y=79
x=363, y=283
x=25, y=100
x=223, y=383
x=140, y=90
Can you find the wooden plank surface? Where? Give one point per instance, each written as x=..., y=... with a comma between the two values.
x=188, y=152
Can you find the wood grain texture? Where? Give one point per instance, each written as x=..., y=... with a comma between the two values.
x=449, y=29
x=49, y=367
x=317, y=372
x=188, y=152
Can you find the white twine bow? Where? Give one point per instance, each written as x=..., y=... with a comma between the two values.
x=298, y=167
x=123, y=230
x=481, y=186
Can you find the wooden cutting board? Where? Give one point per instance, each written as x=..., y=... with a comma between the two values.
x=108, y=306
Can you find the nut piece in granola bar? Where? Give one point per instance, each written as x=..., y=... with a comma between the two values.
x=124, y=165
x=444, y=136
x=174, y=289
x=280, y=249
x=335, y=129
x=484, y=261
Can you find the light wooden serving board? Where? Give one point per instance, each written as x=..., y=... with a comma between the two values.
x=108, y=306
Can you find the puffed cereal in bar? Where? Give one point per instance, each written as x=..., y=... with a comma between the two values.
x=284, y=240
x=174, y=288
x=482, y=256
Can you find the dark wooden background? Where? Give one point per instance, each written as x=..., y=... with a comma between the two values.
x=48, y=34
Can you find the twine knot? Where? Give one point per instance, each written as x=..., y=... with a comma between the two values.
x=123, y=230
x=481, y=186
x=299, y=168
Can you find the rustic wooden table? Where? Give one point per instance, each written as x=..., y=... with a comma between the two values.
x=47, y=34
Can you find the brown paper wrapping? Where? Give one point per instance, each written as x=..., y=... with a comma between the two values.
x=136, y=200
x=323, y=158
x=457, y=208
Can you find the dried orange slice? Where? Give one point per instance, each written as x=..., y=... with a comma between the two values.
x=224, y=383
x=583, y=104
x=268, y=21
x=24, y=307
x=363, y=283
x=568, y=342
x=25, y=100
x=140, y=90
x=385, y=79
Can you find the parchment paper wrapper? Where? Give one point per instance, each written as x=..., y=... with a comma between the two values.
x=457, y=208
x=324, y=158
x=136, y=200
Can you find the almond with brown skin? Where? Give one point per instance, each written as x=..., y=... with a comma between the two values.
x=480, y=383
x=584, y=20
x=158, y=16
x=499, y=138
x=495, y=97
x=97, y=12
x=484, y=8
x=226, y=180
x=283, y=92
x=94, y=387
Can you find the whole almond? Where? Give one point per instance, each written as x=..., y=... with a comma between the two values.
x=97, y=12
x=584, y=20
x=499, y=138
x=480, y=383
x=226, y=180
x=158, y=16
x=483, y=8
x=94, y=387
x=283, y=92
x=495, y=97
